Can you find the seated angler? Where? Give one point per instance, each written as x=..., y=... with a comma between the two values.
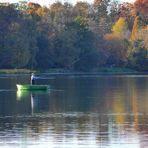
x=32, y=79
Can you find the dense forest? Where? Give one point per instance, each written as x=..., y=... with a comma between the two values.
x=80, y=37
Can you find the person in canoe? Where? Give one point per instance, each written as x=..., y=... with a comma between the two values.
x=32, y=79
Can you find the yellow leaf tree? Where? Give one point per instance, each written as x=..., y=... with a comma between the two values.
x=120, y=28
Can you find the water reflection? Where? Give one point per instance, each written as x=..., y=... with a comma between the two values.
x=89, y=112
x=22, y=94
x=37, y=100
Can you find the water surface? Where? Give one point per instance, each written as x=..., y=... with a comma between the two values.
x=79, y=111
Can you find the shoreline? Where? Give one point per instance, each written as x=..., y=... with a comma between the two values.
x=101, y=71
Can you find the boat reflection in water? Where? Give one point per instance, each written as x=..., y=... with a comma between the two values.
x=36, y=100
x=85, y=112
x=21, y=94
x=66, y=119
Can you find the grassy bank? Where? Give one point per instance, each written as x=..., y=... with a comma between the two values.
x=116, y=70
x=103, y=70
x=16, y=71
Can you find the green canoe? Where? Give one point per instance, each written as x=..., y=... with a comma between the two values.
x=32, y=87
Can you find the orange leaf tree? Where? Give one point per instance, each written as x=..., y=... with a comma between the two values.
x=142, y=6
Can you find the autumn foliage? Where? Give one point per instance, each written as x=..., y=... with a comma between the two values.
x=33, y=7
x=135, y=30
x=120, y=27
x=142, y=6
x=77, y=37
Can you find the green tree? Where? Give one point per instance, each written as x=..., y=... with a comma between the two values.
x=116, y=49
x=14, y=47
x=45, y=36
x=60, y=15
x=143, y=35
x=22, y=6
x=64, y=53
x=31, y=24
x=114, y=13
x=138, y=56
x=100, y=16
x=81, y=9
x=85, y=44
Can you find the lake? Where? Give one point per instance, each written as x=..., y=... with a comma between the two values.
x=79, y=111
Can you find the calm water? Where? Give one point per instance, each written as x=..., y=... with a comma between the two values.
x=79, y=111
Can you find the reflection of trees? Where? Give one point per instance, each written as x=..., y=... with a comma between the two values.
x=134, y=106
x=139, y=103
x=127, y=106
x=98, y=110
x=121, y=98
x=119, y=108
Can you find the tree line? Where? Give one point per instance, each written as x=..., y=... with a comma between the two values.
x=75, y=37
